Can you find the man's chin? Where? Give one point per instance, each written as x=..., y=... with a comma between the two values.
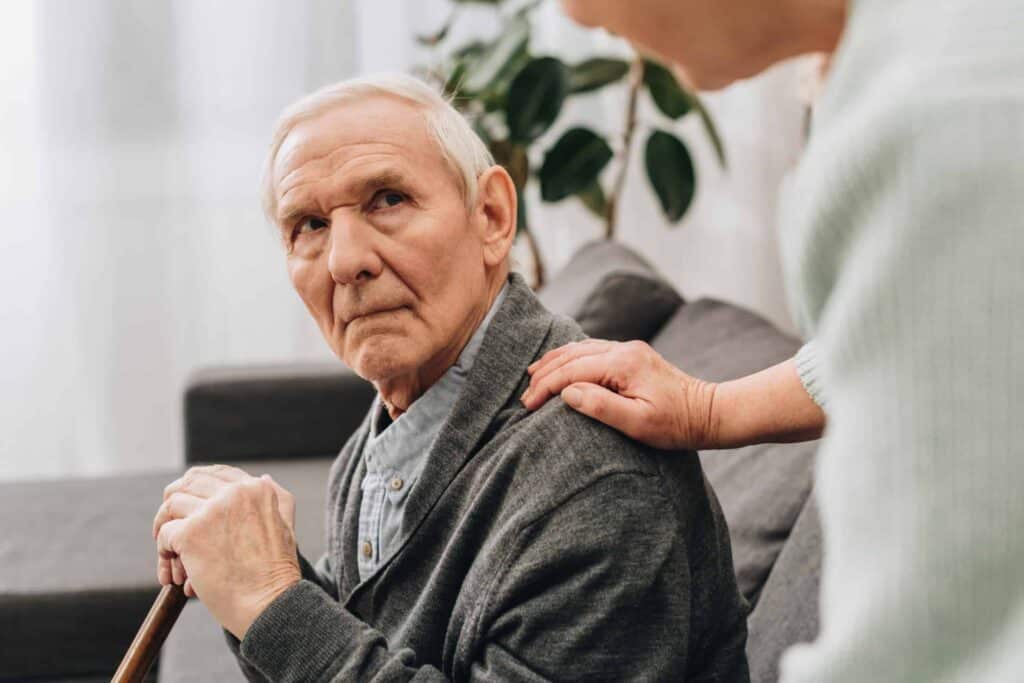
x=378, y=361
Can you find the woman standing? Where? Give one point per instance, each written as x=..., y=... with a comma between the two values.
x=902, y=234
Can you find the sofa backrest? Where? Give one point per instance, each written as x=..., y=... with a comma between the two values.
x=763, y=489
x=612, y=293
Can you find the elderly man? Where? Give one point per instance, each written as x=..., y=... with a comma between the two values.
x=467, y=537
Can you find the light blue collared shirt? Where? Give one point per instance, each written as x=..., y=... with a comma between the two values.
x=395, y=456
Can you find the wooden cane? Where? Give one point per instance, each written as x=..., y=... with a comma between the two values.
x=151, y=635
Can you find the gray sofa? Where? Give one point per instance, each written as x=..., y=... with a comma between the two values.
x=77, y=567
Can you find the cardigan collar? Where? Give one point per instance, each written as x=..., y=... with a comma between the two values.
x=512, y=340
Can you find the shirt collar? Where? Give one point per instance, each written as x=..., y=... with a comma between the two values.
x=402, y=447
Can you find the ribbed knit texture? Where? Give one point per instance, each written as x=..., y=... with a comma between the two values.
x=903, y=240
x=807, y=367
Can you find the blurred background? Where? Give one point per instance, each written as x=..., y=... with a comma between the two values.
x=133, y=250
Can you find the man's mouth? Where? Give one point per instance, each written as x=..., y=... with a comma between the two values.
x=370, y=313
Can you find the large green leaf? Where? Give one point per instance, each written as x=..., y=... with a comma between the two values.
x=535, y=97
x=671, y=173
x=594, y=199
x=670, y=98
x=495, y=97
x=596, y=73
x=573, y=163
x=482, y=72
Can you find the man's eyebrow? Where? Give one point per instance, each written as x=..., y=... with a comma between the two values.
x=360, y=184
x=381, y=180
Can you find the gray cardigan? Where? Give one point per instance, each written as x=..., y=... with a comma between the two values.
x=535, y=546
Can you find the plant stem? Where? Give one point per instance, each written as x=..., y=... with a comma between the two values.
x=636, y=80
x=538, y=264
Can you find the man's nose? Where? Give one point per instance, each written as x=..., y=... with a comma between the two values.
x=353, y=253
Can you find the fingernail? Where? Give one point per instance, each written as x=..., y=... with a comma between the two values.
x=572, y=396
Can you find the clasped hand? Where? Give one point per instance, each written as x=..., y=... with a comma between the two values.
x=229, y=538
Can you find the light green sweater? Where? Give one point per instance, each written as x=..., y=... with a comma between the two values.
x=903, y=241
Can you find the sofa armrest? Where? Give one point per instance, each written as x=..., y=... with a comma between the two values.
x=77, y=572
x=283, y=411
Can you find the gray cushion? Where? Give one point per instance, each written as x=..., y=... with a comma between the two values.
x=78, y=571
x=787, y=612
x=252, y=412
x=761, y=488
x=195, y=650
x=78, y=568
x=612, y=293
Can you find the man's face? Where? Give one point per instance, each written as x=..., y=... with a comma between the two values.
x=381, y=247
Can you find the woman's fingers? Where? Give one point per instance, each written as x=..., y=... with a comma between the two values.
x=571, y=350
x=630, y=387
x=627, y=415
x=594, y=368
x=565, y=354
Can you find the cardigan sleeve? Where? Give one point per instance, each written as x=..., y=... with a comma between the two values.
x=319, y=575
x=579, y=593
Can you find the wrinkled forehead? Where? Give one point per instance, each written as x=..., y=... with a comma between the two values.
x=382, y=126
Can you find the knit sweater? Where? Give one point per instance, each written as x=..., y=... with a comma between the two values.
x=903, y=243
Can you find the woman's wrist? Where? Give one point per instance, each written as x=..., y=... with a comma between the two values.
x=770, y=406
x=725, y=423
x=698, y=419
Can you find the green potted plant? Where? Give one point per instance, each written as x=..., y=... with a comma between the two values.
x=514, y=97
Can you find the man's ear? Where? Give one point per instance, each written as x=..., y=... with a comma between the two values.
x=496, y=214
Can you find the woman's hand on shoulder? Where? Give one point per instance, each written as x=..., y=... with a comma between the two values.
x=630, y=387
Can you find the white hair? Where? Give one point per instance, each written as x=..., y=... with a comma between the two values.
x=461, y=147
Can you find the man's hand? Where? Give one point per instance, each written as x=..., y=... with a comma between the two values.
x=229, y=538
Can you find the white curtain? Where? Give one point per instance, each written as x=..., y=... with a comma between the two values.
x=133, y=250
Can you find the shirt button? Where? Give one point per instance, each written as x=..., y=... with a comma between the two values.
x=397, y=484
x=367, y=549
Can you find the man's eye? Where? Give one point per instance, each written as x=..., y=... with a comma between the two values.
x=385, y=199
x=310, y=224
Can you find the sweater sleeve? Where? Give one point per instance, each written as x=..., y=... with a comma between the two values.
x=810, y=376
x=920, y=336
